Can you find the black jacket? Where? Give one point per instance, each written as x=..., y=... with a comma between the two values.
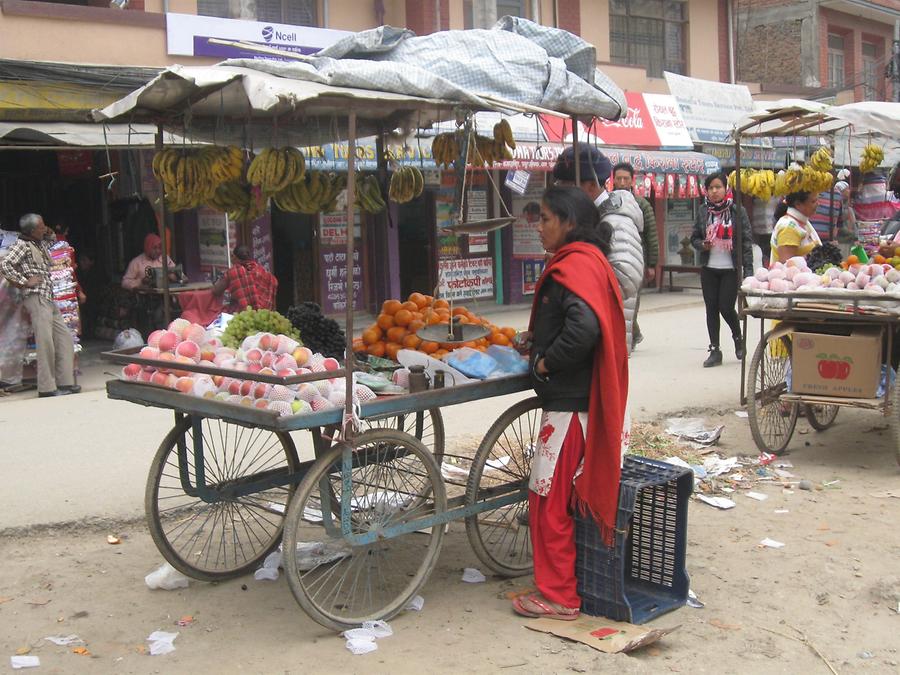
x=565, y=334
x=699, y=235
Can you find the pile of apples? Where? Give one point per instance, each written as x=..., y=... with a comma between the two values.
x=795, y=275
x=185, y=343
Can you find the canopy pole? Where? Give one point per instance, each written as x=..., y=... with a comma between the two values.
x=165, y=233
x=575, y=151
x=351, y=198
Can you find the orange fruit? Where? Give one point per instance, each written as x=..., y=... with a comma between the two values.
x=415, y=324
x=420, y=300
x=879, y=259
x=371, y=334
x=391, y=306
x=359, y=345
x=376, y=348
x=411, y=306
x=412, y=341
x=403, y=317
x=472, y=344
x=385, y=321
x=500, y=339
x=396, y=334
x=391, y=349
x=459, y=310
x=444, y=313
x=429, y=299
x=440, y=353
x=429, y=347
x=852, y=260
x=508, y=332
x=441, y=304
x=432, y=318
x=473, y=318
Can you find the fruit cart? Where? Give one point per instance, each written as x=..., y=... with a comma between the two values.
x=771, y=405
x=360, y=520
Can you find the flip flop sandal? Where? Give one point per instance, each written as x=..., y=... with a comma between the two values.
x=547, y=611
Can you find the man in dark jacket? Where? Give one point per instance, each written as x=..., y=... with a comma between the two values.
x=623, y=179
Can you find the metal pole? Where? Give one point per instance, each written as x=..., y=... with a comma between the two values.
x=351, y=198
x=738, y=241
x=575, y=150
x=895, y=74
x=165, y=233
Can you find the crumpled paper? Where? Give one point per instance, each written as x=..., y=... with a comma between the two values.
x=18, y=662
x=473, y=576
x=160, y=642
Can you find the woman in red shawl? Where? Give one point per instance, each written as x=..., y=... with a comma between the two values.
x=579, y=368
x=136, y=274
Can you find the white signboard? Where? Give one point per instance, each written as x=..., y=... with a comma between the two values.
x=191, y=35
x=667, y=121
x=212, y=237
x=466, y=279
x=709, y=109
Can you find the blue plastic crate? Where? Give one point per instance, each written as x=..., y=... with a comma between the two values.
x=643, y=575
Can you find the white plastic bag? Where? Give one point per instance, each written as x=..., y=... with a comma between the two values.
x=130, y=337
x=166, y=578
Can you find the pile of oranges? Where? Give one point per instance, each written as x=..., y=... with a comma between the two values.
x=397, y=324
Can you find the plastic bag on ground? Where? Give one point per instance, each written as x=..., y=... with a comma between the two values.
x=166, y=578
x=161, y=642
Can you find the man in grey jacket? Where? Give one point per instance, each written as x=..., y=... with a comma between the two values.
x=621, y=211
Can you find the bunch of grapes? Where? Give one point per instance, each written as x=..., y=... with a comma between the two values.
x=252, y=321
x=318, y=332
x=823, y=255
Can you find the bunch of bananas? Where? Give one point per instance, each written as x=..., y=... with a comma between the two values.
x=821, y=160
x=191, y=178
x=814, y=180
x=483, y=151
x=316, y=192
x=242, y=203
x=760, y=184
x=872, y=157
x=407, y=183
x=275, y=168
x=368, y=194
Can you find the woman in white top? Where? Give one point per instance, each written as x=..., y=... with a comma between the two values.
x=793, y=234
x=713, y=236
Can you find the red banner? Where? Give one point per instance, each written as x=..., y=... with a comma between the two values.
x=74, y=162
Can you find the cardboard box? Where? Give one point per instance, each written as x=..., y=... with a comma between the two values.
x=847, y=365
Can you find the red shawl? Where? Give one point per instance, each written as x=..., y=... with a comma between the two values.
x=581, y=268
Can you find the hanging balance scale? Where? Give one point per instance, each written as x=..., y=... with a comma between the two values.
x=457, y=332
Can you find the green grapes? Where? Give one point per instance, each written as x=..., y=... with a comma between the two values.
x=252, y=321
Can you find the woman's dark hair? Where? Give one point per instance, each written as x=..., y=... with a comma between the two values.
x=715, y=176
x=572, y=205
x=796, y=197
x=780, y=210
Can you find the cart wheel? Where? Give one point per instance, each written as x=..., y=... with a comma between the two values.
x=425, y=425
x=394, y=480
x=821, y=417
x=500, y=536
x=772, y=422
x=217, y=536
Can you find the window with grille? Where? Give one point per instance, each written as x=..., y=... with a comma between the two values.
x=511, y=8
x=870, y=72
x=835, y=60
x=649, y=33
x=291, y=12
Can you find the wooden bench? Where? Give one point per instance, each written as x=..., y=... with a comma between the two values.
x=681, y=269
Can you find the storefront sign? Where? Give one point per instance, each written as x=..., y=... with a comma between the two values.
x=517, y=181
x=213, y=238
x=531, y=272
x=527, y=210
x=679, y=225
x=333, y=279
x=751, y=156
x=466, y=279
x=192, y=35
x=74, y=162
x=261, y=238
x=709, y=108
x=333, y=228
x=667, y=121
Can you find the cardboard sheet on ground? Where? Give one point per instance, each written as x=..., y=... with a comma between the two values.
x=602, y=634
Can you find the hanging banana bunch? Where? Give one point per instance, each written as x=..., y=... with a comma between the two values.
x=872, y=158
x=275, y=168
x=821, y=160
x=407, y=183
x=483, y=151
x=368, y=194
x=316, y=192
x=190, y=178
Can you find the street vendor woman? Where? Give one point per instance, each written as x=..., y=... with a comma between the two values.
x=136, y=274
x=579, y=370
x=248, y=283
x=793, y=234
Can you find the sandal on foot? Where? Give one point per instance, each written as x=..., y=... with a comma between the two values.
x=544, y=609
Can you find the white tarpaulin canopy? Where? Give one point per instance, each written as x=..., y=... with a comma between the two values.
x=83, y=135
x=796, y=117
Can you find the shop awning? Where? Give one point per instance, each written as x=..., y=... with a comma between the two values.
x=72, y=134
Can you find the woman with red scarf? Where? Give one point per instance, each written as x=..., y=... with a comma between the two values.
x=579, y=367
x=713, y=236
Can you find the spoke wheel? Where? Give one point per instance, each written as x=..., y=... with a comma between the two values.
x=820, y=417
x=425, y=425
x=226, y=535
x=500, y=536
x=772, y=421
x=394, y=480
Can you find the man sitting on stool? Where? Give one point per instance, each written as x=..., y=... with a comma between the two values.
x=27, y=266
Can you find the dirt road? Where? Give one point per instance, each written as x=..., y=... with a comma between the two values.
x=836, y=582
